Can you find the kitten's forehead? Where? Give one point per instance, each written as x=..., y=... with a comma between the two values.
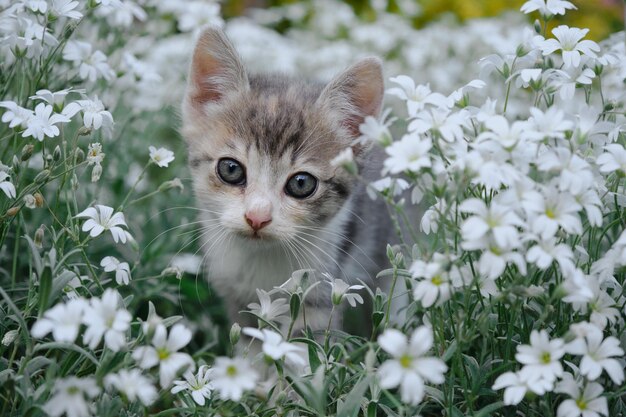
x=279, y=119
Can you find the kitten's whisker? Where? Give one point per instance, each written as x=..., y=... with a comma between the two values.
x=338, y=248
x=322, y=251
x=332, y=233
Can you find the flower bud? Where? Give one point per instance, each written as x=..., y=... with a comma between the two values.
x=56, y=154
x=27, y=152
x=84, y=131
x=16, y=164
x=74, y=182
x=172, y=270
x=96, y=172
x=175, y=183
x=42, y=176
x=38, y=199
x=235, y=334
x=79, y=156
x=39, y=234
x=537, y=26
x=12, y=211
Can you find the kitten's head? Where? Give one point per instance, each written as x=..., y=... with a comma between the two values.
x=260, y=147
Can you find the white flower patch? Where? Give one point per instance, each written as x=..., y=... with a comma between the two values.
x=232, y=377
x=163, y=351
x=104, y=319
x=101, y=218
x=122, y=269
x=162, y=157
x=62, y=320
x=275, y=347
x=568, y=41
x=198, y=384
x=133, y=384
x=70, y=397
x=409, y=368
x=340, y=291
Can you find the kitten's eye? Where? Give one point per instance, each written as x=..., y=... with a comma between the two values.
x=301, y=185
x=231, y=171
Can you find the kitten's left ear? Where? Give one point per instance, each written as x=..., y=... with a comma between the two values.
x=355, y=94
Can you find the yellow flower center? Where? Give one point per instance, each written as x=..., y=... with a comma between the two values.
x=163, y=353
x=545, y=358
x=405, y=361
x=73, y=390
x=581, y=404
x=550, y=213
x=231, y=370
x=436, y=280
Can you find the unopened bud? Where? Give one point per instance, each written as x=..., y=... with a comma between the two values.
x=96, y=172
x=235, y=334
x=175, y=183
x=79, y=156
x=27, y=152
x=74, y=182
x=12, y=211
x=38, y=199
x=39, y=234
x=537, y=26
x=16, y=164
x=42, y=176
x=56, y=154
x=84, y=131
x=172, y=270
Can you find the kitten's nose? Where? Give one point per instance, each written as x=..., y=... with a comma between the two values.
x=258, y=219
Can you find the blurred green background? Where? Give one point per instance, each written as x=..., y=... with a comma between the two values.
x=601, y=16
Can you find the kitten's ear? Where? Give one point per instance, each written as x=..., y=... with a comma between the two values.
x=216, y=70
x=355, y=93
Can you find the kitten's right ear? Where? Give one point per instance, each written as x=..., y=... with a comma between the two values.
x=216, y=70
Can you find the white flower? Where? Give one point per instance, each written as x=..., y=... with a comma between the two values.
x=65, y=8
x=446, y=123
x=434, y=283
x=408, y=367
x=6, y=185
x=551, y=124
x=541, y=357
x=498, y=220
x=598, y=354
x=91, y=66
x=547, y=8
x=133, y=384
x=275, y=347
x=162, y=157
x=122, y=269
x=104, y=318
x=613, y=159
x=268, y=309
x=101, y=218
x=546, y=251
x=95, y=154
x=199, y=385
x=63, y=320
x=55, y=99
x=15, y=115
x=375, y=130
x=164, y=352
x=387, y=186
x=569, y=41
x=515, y=387
x=68, y=397
x=501, y=132
x=585, y=402
x=551, y=210
x=343, y=158
x=232, y=377
x=42, y=123
x=416, y=97
x=341, y=291
x=94, y=114
x=408, y=154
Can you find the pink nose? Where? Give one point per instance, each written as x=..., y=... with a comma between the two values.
x=258, y=220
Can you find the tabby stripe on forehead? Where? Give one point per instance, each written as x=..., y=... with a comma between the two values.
x=196, y=161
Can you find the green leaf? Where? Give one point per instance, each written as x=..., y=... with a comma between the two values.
x=352, y=404
x=450, y=351
x=67, y=346
x=45, y=287
x=35, y=256
x=488, y=409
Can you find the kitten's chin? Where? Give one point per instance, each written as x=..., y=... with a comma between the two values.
x=255, y=239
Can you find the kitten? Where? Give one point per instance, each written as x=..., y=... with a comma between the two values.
x=260, y=148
